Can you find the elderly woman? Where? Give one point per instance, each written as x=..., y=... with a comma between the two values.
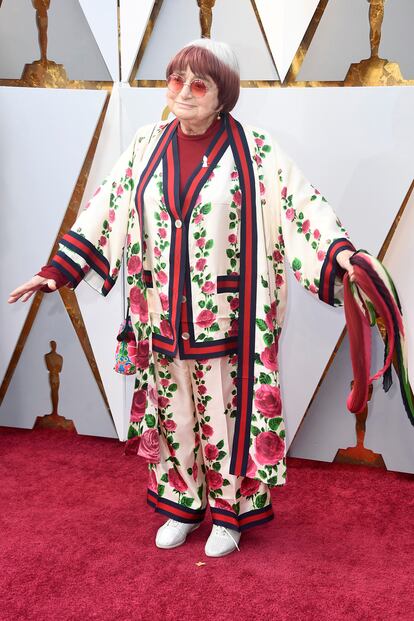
x=208, y=209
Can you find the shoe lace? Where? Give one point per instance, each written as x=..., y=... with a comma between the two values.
x=223, y=529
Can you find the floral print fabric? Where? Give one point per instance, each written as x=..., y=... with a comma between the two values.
x=196, y=414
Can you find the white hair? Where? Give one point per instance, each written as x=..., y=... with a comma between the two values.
x=222, y=51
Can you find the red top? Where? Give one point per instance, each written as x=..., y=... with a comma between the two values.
x=191, y=149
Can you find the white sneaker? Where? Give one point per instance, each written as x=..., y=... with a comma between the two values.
x=222, y=541
x=173, y=533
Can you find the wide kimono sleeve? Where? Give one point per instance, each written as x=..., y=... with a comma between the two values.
x=92, y=249
x=312, y=233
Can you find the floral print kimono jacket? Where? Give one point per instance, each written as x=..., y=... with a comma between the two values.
x=210, y=263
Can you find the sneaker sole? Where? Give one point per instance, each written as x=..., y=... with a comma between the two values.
x=220, y=555
x=176, y=545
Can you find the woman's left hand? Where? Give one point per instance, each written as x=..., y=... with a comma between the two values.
x=343, y=260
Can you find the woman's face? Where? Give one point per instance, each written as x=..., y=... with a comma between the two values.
x=189, y=108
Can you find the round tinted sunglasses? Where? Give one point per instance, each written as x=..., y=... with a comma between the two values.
x=176, y=84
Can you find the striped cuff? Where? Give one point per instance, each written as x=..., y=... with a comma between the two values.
x=331, y=269
x=243, y=521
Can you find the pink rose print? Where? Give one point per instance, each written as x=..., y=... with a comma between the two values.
x=298, y=275
x=149, y=447
x=321, y=255
x=195, y=471
x=166, y=328
x=138, y=304
x=163, y=401
x=259, y=142
x=290, y=214
x=313, y=289
x=271, y=315
x=234, y=303
x=170, y=425
x=164, y=215
x=223, y=504
x=142, y=355
x=207, y=430
x=102, y=240
x=262, y=188
x=200, y=264
x=111, y=216
x=279, y=280
x=139, y=402
x=237, y=197
x=211, y=452
x=198, y=218
x=176, y=481
x=277, y=256
x=208, y=287
x=201, y=408
x=316, y=234
x=269, y=357
x=162, y=233
x=152, y=481
x=269, y=448
x=205, y=318
x=214, y=479
x=157, y=252
x=305, y=226
x=234, y=327
x=232, y=238
x=132, y=351
x=134, y=265
x=119, y=190
x=162, y=277
x=153, y=395
x=234, y=174
x=257, y=159
x=199, y=373
x=202, y=389
x=249, y=487
x=164, y=301
x=251, y=468
x=267, y=400
x=128, y=172
x=201, y=241
x=284, y=192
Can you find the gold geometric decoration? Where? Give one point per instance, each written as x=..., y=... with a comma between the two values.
x=54, y=363
x=374, y=70
x=206, y=16
x=359, y=454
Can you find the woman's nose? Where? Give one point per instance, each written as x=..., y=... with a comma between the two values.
x=186, y=91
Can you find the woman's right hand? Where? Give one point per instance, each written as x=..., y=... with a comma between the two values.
x=30, y=287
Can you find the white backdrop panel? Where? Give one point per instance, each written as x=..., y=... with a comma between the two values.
x=102, y=316
x=285, y=22
x=133, y=18
x=102, y=19
x=41, y=160
x=70, y=40
x=354, y=145
x=28, y=395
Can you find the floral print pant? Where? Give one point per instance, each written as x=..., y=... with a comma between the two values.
x=197, y=411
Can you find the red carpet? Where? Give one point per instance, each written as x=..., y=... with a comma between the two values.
x=77, y=543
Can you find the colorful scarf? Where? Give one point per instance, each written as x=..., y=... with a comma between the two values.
x=373, y=295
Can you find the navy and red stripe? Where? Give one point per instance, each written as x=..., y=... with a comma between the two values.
x=247, y=302
x=174, y=510
x=242, y=522
x=330, y=269
x=228, y=283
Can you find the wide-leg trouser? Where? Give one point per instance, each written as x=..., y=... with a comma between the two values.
x=197, y=414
